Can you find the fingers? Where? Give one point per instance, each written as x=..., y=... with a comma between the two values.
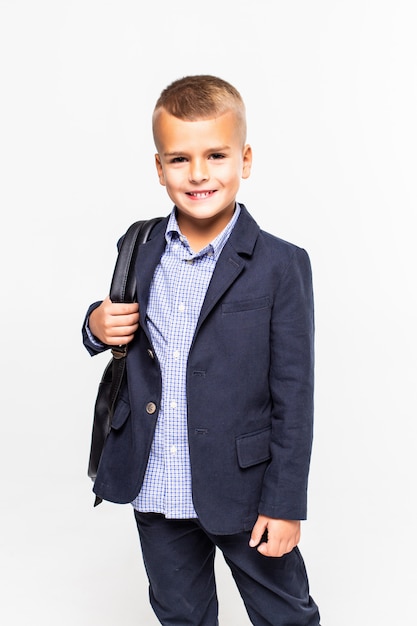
x=258, y=531
x=278, y=538
x=119, y=308
x=275, y=548
x=114, y=323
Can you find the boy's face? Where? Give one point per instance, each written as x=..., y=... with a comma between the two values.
x=201, y=163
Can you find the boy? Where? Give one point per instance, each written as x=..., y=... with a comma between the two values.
x=211, y=437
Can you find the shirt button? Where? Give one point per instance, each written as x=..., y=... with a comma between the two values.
x=181, y=307
x=190, y=261
x=151, y=408
x=173, y=404
x=176, y=354
x=173, y=449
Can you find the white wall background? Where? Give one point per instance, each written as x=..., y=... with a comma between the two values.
x=331, y=93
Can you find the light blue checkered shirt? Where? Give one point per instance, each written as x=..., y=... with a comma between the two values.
x=176, y=296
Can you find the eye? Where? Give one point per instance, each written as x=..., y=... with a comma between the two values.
x=217, y=155
x=178, y=159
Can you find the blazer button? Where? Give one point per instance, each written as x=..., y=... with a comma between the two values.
x=151, y=408
x=150, y=353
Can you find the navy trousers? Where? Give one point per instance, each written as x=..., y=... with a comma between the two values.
x=179, y=561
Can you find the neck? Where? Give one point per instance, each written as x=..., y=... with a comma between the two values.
x=201, y=232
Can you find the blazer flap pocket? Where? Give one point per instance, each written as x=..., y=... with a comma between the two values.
x=246, y=305
x=121, y=413
x=254, y=448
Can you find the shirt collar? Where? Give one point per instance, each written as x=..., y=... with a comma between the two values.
x=214, y=247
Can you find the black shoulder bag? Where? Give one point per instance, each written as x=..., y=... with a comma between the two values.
x=122, y=289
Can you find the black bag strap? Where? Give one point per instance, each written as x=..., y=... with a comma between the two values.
x=123, y=289
x=123, y=284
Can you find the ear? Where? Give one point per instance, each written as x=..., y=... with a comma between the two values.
x=247, y=161
x=159, y=169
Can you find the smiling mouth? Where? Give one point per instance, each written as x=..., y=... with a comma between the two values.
x=200, y=195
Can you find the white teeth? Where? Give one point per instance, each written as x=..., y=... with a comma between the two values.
x=201, y=195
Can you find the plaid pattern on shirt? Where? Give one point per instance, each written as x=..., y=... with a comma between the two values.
x=176, y=296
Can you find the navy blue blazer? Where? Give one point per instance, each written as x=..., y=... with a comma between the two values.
x=249, y=386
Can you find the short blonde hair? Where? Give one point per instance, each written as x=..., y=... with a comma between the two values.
x=199, y=97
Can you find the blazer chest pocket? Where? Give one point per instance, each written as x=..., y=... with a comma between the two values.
x=245, y=306
x=254, y=448
x=246, y=314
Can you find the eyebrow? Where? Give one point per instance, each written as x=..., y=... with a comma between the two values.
x=181, y=153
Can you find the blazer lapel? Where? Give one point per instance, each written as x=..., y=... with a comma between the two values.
x=233, y=258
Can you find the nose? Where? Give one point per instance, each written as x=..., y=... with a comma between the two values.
x=198, y=172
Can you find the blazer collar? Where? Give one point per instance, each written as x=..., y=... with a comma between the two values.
x=245, y=233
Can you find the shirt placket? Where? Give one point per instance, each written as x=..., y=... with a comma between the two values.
x=177, y=464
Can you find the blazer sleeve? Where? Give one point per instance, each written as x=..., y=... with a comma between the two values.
x=291, y=374
x=92, y=344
